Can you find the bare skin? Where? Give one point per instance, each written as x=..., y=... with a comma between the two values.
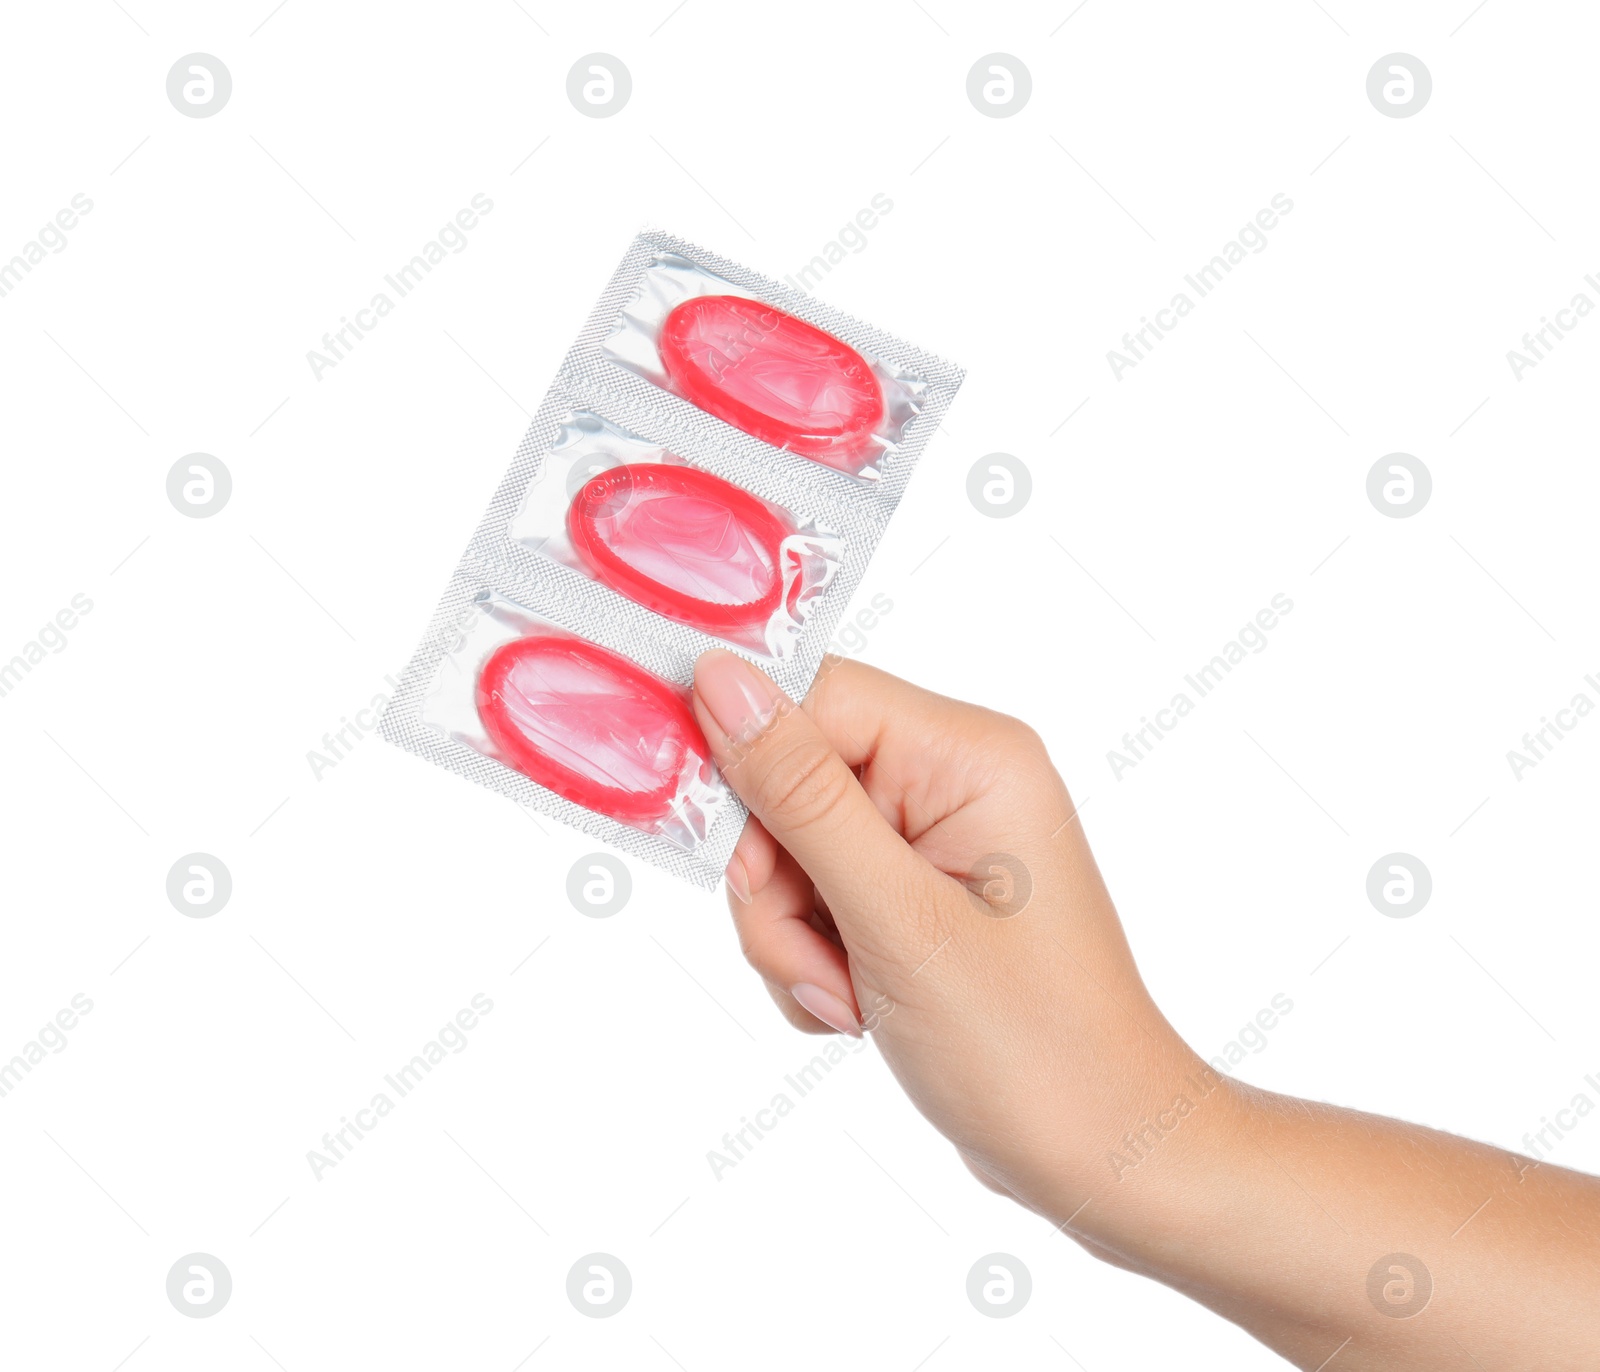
x=914, y=868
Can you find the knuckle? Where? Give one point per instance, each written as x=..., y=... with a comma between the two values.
x=1016, y=742
x=804, y=784
x=1029, y=738
x=1019, y=734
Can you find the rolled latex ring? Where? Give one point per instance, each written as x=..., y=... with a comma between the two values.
x=591, y=726
x=776, y=377
x=714, y=520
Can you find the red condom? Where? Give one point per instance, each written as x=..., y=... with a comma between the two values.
x=591, y=726
x=681, y=542
x=772, y=375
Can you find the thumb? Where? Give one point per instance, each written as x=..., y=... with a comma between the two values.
x=801, y=790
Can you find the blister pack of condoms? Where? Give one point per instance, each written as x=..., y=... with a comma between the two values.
x=712, y=468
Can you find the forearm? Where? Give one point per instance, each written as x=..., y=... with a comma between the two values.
x=1324, y=1231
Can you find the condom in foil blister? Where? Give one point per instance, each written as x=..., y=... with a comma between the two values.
x=764, y=370
x=676, y=537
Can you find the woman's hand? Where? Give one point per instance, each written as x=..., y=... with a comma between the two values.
x=914, y=866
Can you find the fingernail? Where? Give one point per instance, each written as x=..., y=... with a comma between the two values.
x=738, y=878
x=827, y=1007
x=741, y=698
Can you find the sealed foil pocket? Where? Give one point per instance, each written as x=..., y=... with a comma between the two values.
x=582, y=721
x=683, y=542
x=764, y=370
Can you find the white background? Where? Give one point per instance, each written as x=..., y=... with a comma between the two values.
x=370, y=905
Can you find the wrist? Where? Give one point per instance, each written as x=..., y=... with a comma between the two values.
x=1168, y=1144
